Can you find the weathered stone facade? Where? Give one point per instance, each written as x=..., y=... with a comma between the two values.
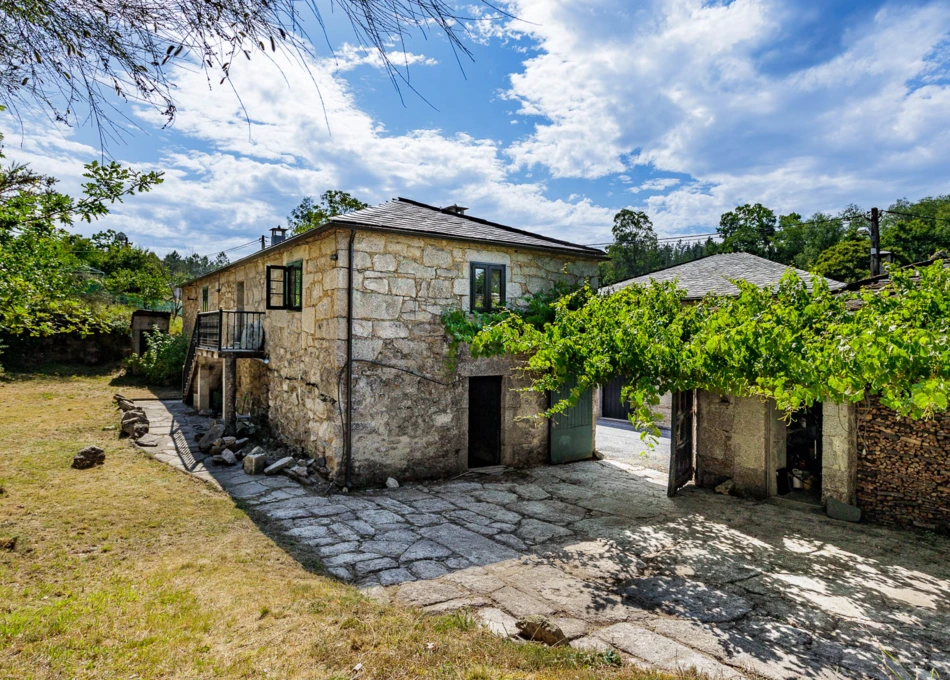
x=744, y=439
x=413, y=427
x=903, y=468
x=410, y=416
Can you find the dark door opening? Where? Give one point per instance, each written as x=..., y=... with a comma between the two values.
x=681, y=442
x=610, y=404
x=800, y=479
x=484, y=421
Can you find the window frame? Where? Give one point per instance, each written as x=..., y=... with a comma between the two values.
x=293, y=285
x=489, y=267
x=289, y=287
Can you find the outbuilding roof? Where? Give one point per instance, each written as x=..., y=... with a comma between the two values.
x=403, y=214
x=715, y=273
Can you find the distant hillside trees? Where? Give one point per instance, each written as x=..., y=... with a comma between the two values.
x=836, y=246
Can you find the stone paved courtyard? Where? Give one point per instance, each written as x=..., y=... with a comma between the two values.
x=734, y=588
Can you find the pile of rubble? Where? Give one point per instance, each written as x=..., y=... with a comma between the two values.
x=134, y=420
x=227, y=450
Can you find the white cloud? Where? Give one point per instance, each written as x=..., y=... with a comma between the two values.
x=244, y=177
x=681, y=86
x=658, y=184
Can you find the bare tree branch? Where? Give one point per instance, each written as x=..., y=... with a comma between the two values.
x=72, y=58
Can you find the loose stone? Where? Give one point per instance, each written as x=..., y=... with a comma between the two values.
x=279, y=466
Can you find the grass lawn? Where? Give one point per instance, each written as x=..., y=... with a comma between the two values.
x=133, y=570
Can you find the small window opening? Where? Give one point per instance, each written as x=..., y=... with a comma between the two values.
x=487, y=287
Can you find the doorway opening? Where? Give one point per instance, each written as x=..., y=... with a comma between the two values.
x=484, y=421
x=800, y=479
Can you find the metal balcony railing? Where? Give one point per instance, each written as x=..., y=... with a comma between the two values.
x=230, y=331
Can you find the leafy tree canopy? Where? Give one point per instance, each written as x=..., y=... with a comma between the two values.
x=916, y=239
x=44, y=271
x=848, y=261
x=795, y=345
x=748, y=229
x=310, y=214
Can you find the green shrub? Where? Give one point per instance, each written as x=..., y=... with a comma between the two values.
x=163, y=359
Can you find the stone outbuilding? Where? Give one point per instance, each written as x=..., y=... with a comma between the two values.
x=811, y=457
x=336, y=337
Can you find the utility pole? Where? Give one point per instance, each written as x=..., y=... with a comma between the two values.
x=875, y=242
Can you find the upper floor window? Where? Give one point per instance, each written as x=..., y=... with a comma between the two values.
x=488, y=287
x=204, y=299
x=285, y=286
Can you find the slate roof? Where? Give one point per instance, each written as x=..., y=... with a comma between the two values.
x=714, y=274
x=403, y=214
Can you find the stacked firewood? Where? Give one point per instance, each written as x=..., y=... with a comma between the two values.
x=904, y=468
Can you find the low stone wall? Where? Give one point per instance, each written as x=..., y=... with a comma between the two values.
x=903, y=468
x=23, y=352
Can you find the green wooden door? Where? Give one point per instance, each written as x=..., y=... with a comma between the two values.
x=572, y=432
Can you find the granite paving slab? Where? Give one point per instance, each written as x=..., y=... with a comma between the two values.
x=730, y=587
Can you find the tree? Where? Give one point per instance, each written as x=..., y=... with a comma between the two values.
x=846, y=261
x=748, y=229
x=634, y=251
x=181, y=269
x=916, y=240
x=62, y=55
x=41, y=275
x=309, y=215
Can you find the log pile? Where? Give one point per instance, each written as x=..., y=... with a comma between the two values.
x=904, y=468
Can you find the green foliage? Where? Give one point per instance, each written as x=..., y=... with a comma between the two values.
x=637, y=251
x=45, y=272
x=795, y=345
x=748, y=229
x=310, y=215
x=163, y=359
x=847, y=261
x=537, y=311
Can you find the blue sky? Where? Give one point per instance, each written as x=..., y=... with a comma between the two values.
x=569, y=112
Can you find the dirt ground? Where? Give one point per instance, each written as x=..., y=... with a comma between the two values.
x=733, y=588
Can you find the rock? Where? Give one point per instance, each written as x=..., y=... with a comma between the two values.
x=279, y=466
x=148, y=440
x=206, y=413
x=726, y=487
x=303, y=462
x=228, y=457
x=299, y=470
x=205, y=443
x=392, y=483
x=135, y=423
x=843, y=511
x=540, y=629
x=239, y=444
x=89, y=457
x=255, y=462
x=320, y=462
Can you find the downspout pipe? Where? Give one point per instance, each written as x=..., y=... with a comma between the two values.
x=348, y=443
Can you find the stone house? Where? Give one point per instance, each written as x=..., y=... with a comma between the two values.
x=335, y=336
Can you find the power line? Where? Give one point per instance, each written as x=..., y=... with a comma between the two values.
x=916, y=217
x=825, y=220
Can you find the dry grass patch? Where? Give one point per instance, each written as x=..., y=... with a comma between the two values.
x=134, y=570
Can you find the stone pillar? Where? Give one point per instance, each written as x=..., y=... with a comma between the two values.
x=229, y=388
x=751, y=444
x=203, y=391
x=839, y=452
